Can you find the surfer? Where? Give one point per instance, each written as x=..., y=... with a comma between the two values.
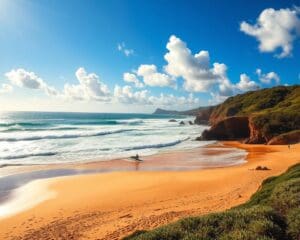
x=136, y=157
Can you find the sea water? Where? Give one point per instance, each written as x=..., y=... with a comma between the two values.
x=59, y=137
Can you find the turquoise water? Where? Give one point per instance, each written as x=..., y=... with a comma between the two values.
x=49, y=137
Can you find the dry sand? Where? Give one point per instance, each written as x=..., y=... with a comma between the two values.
x=112, y=205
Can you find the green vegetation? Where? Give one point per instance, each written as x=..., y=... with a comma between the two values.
x=274, y=111
x=272, y=213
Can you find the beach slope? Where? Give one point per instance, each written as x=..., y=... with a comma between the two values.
x=112, y=205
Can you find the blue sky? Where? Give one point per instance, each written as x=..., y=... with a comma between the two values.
x=72, y=55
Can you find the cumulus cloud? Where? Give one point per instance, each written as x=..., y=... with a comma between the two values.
x=246, y=84
x=194, y=69
x=6, y=88
x=227, y=89
x=275, y=29
x=132, y=78
x=171, y=100
x=89, y=88
x=126, y=95
x=22, y=78
x=152, y=77
x=268, y=78
x=122, y=48
x=216, y=98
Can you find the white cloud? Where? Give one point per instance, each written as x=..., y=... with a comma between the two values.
x=22, y=78
x=267, y=78
x=153, y=78
x=227, y=89
x=275, y=29
x=126, y=95
x=6, y=88
x=89, y=88
x=216, y=98
x=246, y=84
x=132, y=78
x=194, y=69
x=171, y=100
x=122, y=48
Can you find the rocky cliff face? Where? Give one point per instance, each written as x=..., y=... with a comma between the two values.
x=270, y=116
x=231, y=128
x=256, y=135
x=203, y=115
x=237, y=128
x=286, y=138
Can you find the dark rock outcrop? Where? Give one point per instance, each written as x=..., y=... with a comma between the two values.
x=181, y=123
x=262, y=168
x=256, y=135
x=232, y=128
x=172, y=120
x=203, y=115
x=286, y=138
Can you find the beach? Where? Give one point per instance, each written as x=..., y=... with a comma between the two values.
x=114, y=204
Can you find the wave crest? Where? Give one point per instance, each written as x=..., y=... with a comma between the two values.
x=158, y=145
x=41, y=154
x=78, y=135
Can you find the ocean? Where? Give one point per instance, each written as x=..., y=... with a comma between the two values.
x=60, y=137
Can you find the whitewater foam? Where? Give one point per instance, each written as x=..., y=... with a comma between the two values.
x=31, y=138
x=37, y=138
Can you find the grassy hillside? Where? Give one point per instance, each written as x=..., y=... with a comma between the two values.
x=273, y=213
x=272, y=111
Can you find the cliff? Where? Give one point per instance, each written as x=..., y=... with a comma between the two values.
x=286, y=138
x=226, y=129
x=269, y=113
x=203, y=115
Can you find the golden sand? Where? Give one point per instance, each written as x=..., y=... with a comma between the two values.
x=112, y=205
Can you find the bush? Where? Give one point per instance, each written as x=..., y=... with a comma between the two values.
x=293, y=222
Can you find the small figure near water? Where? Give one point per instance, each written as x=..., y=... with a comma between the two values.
x=136, y=157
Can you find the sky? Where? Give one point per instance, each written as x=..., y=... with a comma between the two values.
x=137, y=55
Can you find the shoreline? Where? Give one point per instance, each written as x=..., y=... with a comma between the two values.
x=18, y=176
x=95, y=205
x=126, y=164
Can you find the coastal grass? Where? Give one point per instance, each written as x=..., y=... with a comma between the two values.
x=272, y=213
x=274, y=110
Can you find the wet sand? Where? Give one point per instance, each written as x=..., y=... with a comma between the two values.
x=112, y=205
